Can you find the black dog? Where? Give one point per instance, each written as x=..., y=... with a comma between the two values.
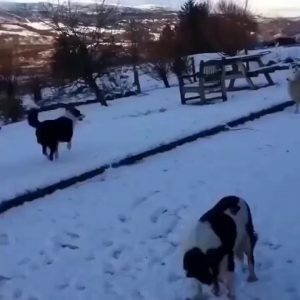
x=223, y=232
x=50, y=133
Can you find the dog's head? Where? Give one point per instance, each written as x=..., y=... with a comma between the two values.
x=196, y=265
x=74, y=112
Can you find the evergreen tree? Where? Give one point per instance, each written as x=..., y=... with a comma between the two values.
x=192, y=27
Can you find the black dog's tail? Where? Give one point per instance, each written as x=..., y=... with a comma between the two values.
x=32, y=118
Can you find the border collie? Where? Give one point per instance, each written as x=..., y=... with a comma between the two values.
x=222, y=233
x=50, y=133
x=294, y=86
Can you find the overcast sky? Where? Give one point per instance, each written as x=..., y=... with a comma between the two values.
x=274, y=7
x=267, y=7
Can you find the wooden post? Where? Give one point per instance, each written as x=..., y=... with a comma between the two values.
x=194, y=69
x=182, y=94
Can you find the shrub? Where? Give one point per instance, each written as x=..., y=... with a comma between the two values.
x=11, y=108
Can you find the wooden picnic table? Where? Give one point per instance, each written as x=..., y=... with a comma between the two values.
x=238, y=67
x=212, y=76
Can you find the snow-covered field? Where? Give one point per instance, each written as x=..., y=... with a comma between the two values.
x=119, y=235
x=127, y=127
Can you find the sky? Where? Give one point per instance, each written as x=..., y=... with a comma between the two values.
x=267, y=7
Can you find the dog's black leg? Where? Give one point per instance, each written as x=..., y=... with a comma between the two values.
x=216, y=288
x=251, y=264
x=230, y=276
x=53, y=151
x=45, y=150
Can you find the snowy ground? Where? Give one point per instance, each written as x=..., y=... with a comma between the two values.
x=126, y=127
x=118, y=236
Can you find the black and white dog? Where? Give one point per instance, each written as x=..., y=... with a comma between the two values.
x=50, y=133
x=222, y=233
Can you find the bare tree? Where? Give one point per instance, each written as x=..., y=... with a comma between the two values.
x=233, y=27
x=84, y=48
x=138, y=36
x=11, y=109
x=161, y=56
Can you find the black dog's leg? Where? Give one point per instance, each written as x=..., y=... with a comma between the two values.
x=45, y=150
x=230, y=278
x=251, y=263
x=216, y=288
x=51, y=156
x=53, y=151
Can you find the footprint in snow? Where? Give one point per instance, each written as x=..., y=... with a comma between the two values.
x=293, y=293
x=265, y=265
x=69, y=246
x=80, y=286
x=32, y=298
x=63, y=285
x=108, y=269
x=143, y=199
x=157, y=213
x=272, y=246
x=34, y=267
x=48, y=261
x=4, y=278
x=291, y=290
x=107, y=243
x=139, y=201
x=4, y=240
x=72, y=235
x=167, y=225
x=24, y=261
x=76, y=216
x=79, y=225
x=173, y=277
x=90, y=257
x=117, y=253
x=137, y=295
x=122, y=218
x=170, y=250
x=17, y=293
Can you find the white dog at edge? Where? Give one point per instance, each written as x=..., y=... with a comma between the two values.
x=294, y=86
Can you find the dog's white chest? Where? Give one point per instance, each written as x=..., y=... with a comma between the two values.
x=205, y=238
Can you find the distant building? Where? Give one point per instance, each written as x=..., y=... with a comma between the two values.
x=281, y=39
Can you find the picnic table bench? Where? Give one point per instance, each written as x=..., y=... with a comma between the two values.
x=213, y=74
x=210, y=78
x=240, y=69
